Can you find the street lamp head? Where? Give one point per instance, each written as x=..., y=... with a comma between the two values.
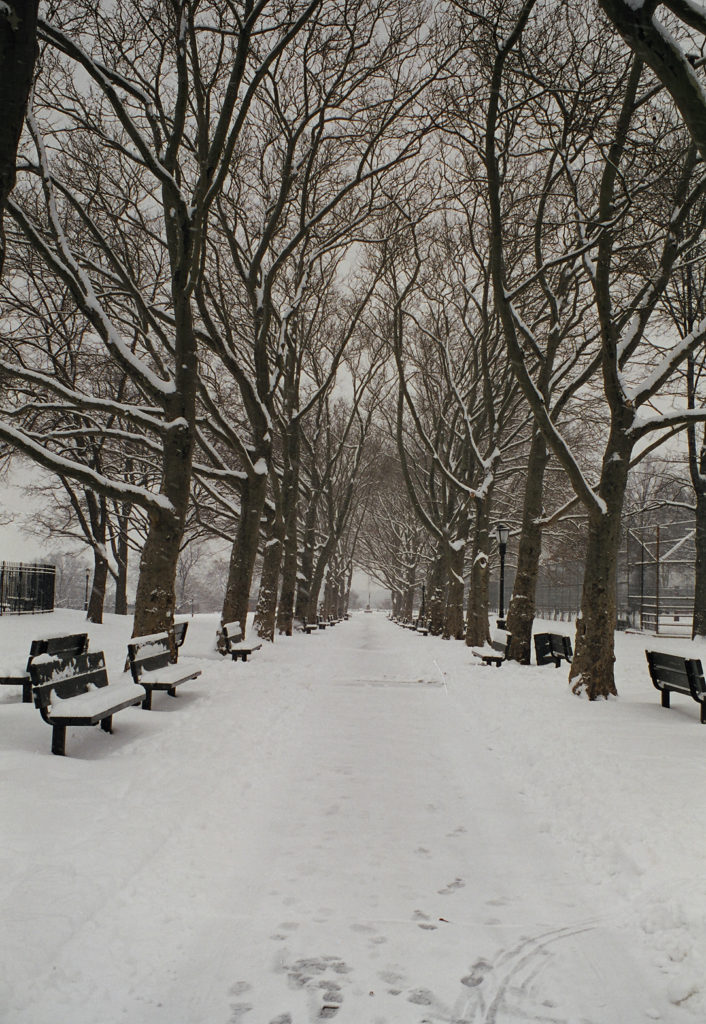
x=502, y=532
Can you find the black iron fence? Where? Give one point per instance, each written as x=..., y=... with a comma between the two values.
x=26, y=588
x=654, y=586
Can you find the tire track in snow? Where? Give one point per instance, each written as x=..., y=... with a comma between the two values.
x=505, y=983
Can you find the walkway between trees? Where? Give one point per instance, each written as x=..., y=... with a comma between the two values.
x=338, y=828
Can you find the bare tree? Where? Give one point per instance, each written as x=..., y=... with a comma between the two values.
x=165, y=95
x=633, y=369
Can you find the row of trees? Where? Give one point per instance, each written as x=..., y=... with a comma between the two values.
x=347, y=282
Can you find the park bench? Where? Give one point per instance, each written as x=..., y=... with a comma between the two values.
x=152, y=665
x=552, y=648
x=233, y=643
x=309, y=627
x=672, y=673
x=77, y=693
x=60, y=647
x=494, y=653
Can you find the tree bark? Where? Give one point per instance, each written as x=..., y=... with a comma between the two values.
x=96, y=600
x=592, y=668
x=699, y=621
x=306, y=571
x=408, y=602
x=266, y=611
x=437, y=595
x=290, y=498
x=155, y=596
x=520, y=616
x=18, y=53
x=122, y=557
x=477, y=626
x=697, y=472
x=453, y=617
x=244, y=553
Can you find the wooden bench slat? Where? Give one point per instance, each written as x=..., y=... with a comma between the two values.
x=90, y=706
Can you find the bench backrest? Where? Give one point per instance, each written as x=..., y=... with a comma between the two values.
x=548, y=646
x=500, y=641
x=676, y=672
x=66, y=679
x=148, y=653
x=60, y=647
x=231, y=633
x=180, y=629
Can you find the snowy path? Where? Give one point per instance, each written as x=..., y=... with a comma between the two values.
x=335, y=830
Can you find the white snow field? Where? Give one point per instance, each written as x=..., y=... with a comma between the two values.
x=363, y=825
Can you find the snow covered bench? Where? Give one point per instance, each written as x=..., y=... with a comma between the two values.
x=495, y=652
x=552, y=648
x=672, y=673
x=233, y=643
x=77, y=693
x=152, y=665
x=60, y=647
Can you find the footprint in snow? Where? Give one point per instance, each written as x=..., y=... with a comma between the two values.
x=458, y=883
x=326, y=994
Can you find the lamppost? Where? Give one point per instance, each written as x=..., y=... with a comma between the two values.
x=422, y=607
x=502, y=532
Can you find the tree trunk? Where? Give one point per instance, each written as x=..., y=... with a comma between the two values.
x=307, y=563
x=316, y=582
x=453, y=618
x=266, y=612
x=699, y=624
x=520, y=616
x=697, y=471
x=290, y=500
x=122, y=560
x=18, y=52
x=244, y=553
x=592, y=668
x=96, y=600
x=155, y=597
x=437, y=597
x=477, y=630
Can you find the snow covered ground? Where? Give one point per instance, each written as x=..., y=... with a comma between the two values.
x=361, y=825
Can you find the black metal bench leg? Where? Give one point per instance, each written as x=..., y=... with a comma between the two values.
x=172, y=691
x=703, y=714
x=107, y=724
x=58, y=739
x=147, y=702
x=27, y=692
x=665, y=698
